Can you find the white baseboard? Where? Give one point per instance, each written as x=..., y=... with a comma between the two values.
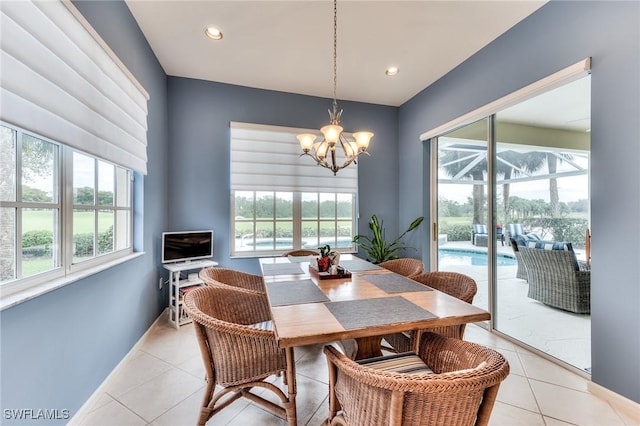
x=627, y=406
x=88, y=404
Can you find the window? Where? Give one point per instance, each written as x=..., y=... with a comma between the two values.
x=47, y=232
x=65, y=199
x=282, y=202
x=280, y=221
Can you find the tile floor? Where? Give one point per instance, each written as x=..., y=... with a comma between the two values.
x=162, y=384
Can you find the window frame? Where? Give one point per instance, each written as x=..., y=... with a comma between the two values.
x=64, y=270
x=297, y=222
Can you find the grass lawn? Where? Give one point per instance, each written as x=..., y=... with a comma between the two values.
x=34, y=220
x=83, y=222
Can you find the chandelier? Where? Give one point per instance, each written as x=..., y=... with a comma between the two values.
x=324, y=152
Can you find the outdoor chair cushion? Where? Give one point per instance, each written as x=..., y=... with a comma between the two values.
x=523, y=239
x=406, y=362
x=479, y=229
x=554, y=245
x=479, y=234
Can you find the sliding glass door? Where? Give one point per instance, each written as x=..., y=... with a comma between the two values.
x=462, y=221
x=520, y=178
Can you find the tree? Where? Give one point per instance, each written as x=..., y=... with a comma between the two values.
x=37, y=157
x=511, y=164
x=84, y=195
x=461, y=164
x=554, y=196
x=35, y=195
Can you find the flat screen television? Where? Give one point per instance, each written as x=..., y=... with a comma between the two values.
x=185, y=246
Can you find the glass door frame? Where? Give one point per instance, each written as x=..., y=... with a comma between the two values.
x=491, y=213
x=489, y=113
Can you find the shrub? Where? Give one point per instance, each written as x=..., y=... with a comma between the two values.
x=105, y=241
x=456, y=232
x=83, y=245
x=572, y=230
x=37, y=238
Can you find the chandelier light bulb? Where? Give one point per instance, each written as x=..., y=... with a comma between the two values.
x=321, y=151
x=363, y=139
x=306, y=141
x=331, y=133
x=350, y=149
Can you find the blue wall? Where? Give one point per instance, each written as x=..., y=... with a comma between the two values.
x=199, y=115
x=58, y=348
x=558, y=35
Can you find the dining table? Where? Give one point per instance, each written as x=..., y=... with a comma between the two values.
x=364, y=303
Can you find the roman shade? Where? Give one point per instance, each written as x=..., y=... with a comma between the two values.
x=60, y=80
x=267, y=158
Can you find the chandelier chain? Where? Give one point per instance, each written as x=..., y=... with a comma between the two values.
x=325, y=152
x=335, y=54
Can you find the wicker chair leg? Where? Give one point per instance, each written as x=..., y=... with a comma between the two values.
x=291, y=387
x=488, y=400
x=338, y=421
x=395, y=412
x=334, y=405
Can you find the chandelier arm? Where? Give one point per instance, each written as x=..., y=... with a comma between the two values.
x=333, y=159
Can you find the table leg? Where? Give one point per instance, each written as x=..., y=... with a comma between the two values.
x=369, y=347
x=291, y=386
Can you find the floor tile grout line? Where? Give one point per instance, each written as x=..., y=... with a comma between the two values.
x=175, y=405
x=130, y=410
x=324, y=401
x=535, y=397
x=144, y=382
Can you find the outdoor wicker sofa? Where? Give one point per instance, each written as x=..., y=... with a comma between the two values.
x=521, y=273
x=556, y=278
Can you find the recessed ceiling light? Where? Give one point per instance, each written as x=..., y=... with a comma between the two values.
x=392, y=71
x=213, y=33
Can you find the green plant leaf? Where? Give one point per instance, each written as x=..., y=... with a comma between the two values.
x=377, y=248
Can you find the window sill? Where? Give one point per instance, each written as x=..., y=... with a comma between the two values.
x=24, y=295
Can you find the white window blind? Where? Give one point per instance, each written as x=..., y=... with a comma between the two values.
x=59, y=79
x=267, y=158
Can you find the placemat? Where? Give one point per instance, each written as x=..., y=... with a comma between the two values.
x=370, y=312
x=300, y=259
x=356, y=264
x=394, y=283
x=281, y=269
x=294, y=292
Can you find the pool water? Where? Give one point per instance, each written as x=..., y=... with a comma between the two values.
x=457, y=257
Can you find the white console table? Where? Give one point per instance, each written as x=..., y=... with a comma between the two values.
x=177, y=315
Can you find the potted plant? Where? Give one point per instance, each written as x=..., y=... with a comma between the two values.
x=378, y=249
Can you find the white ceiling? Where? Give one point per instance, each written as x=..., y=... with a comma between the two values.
x=288, y=45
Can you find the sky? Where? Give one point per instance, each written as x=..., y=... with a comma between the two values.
x=569, y=188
